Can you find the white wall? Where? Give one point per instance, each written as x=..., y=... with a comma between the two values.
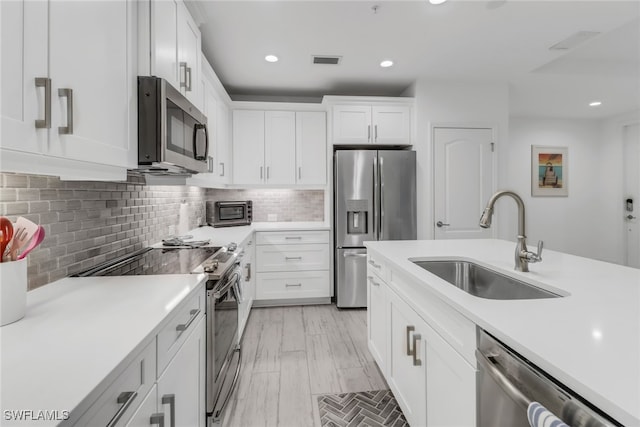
x=441, y=102
x=587, y=222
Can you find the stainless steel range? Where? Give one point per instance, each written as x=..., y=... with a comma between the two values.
x=222, y=267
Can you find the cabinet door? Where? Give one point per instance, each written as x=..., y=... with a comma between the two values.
x=189, y=42
x=248, y=147
x=164, y=45
x=449, y=374
x=311, y=148
x=391, y=125
x=142, y=416
x=222, y=165
x=406, y=373
x=91, y=52
x=352, y=124
x=23, y=47
x=181, y=387
x=280, y=147
x=377, y=321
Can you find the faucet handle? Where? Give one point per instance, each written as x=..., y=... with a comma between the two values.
x=537, y=257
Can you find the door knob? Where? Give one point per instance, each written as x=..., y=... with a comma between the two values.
x=441, y=224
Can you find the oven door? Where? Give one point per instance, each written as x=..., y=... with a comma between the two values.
x=222, y=339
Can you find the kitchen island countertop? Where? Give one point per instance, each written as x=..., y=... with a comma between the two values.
x=589, y=339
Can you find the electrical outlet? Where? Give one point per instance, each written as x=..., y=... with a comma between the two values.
x=272, y=217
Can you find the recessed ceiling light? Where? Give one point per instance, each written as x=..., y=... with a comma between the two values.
x=386, y=63
x=595, y=104
x=437, y=1
x=271, y=58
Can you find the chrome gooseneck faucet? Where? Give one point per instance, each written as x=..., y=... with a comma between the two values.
x=523, y=256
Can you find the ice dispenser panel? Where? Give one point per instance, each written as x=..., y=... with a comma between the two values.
x=357, y=216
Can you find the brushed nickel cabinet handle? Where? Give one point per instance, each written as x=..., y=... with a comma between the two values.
x=293, y=238
x=293, y=285
x=183, y=83
x=222, y=165
x=368, y=132
x=67, y=93
x=268, y=172
x=170, y=399
x=299, y=173
x=288, y=258
x=375, y=133
x=373, y=282
x=183, y=327
x=373, y=264
x=125, y=399
x=46, y=84
x=409, y=330
x=157, y=420
x=260, y=172
x=188, y=85
x=416, y=361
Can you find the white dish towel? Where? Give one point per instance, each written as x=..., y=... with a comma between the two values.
x=539, y=416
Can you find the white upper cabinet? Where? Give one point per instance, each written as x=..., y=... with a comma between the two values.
x=248, y=147
x=69, y=88
x=311, y=148
x=281, y=148
x=173, y=40
x=369, y=122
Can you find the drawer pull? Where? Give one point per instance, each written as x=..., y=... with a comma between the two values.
x=416, y=361
x=373, y=282
x=171, y=400
x=409, y=330
x=46, y=84
x=67, y=93
x=373, y=263
x=289, y=258
x=293, y=238
x=125, y=399
x=183, y=327
x=290, y=285
x=157, y=420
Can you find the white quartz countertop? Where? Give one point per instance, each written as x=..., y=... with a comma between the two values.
x=221, y=236
x=75, y=332
x=589, y=339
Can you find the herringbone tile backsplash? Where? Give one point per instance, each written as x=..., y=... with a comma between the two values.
x=89, y=222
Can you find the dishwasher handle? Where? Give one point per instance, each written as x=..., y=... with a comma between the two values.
x=505, y=384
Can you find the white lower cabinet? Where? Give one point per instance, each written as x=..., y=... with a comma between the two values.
x=432, y=381
x=164, y=384
x=181, y=386
x=292, y=265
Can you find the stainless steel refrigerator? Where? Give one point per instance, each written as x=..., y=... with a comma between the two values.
x=374, y=199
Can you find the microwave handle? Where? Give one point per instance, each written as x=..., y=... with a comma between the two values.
x=196, y=128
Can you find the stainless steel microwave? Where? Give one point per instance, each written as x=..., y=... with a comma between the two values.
x=172, y=132
x=227, y=214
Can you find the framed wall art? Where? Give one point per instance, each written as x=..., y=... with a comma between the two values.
x=549, y=171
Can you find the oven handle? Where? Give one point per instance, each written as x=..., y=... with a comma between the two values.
x=505, y=384
x=228, y=284
x=233, y=384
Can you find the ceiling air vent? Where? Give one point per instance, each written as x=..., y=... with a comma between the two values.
x=328, y=60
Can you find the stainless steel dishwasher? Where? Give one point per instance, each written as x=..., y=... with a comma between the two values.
x=508, y=383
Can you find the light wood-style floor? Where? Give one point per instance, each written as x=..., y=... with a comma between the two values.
x=290, y=355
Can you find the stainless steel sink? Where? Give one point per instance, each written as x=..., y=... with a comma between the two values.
x=482, y=282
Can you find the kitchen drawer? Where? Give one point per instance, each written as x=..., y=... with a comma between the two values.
x=179, y=327
x=292, y=257
x=452, y=326
x=376, y=265
x=126, y=393
x=291, y=237
x=285, y=285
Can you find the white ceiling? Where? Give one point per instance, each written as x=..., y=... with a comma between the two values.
x=495, y=41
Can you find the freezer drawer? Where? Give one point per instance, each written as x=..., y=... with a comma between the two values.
x=351, y=278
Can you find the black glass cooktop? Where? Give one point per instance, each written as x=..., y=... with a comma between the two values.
x=153, y=261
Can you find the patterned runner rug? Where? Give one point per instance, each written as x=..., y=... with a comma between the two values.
x=367, y=408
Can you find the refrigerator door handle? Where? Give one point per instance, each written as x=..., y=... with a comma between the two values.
x=353, y=255
x=381, y=177
x=375, y=198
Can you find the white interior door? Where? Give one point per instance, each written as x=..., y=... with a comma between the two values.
x=463, y=178
x=632, y=193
